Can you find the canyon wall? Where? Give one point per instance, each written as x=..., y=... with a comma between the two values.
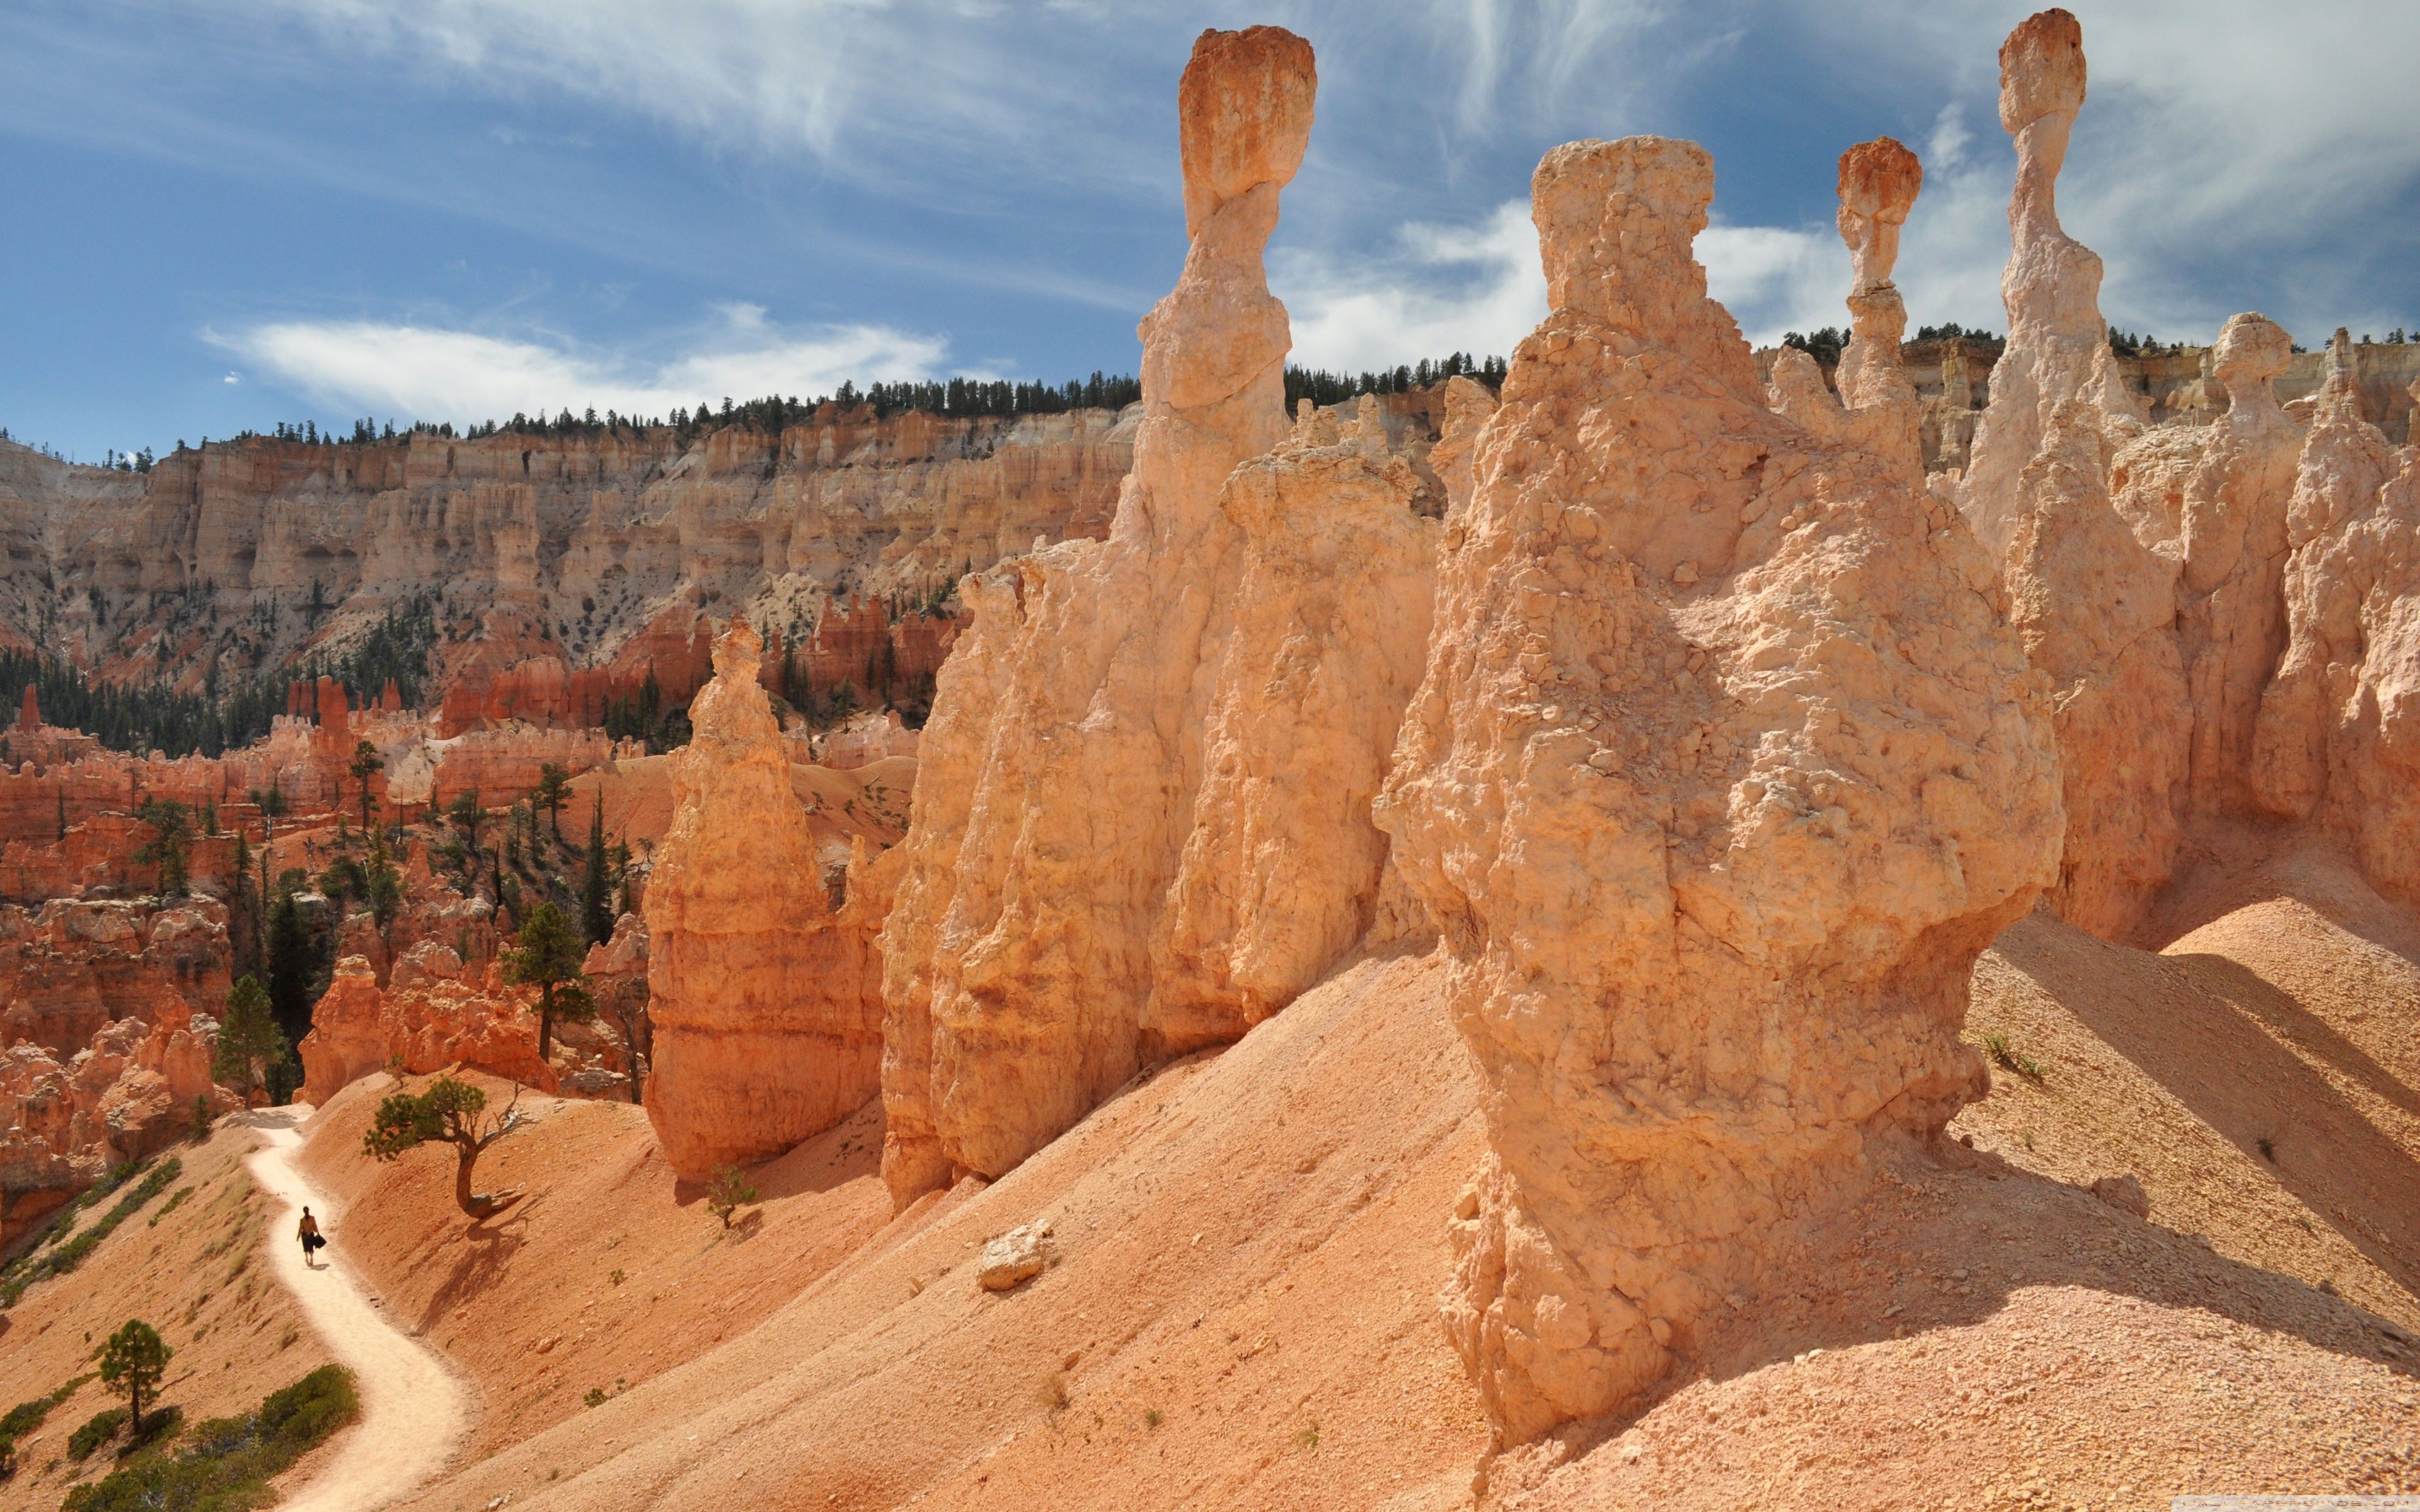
x=216, y=558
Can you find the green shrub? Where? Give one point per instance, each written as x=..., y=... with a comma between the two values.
x=729, y=1192
x=176, y=1200
x=160, y=1424
x=25, y=1417
x=61, y=1259
x=227, y=1463
x=98, y=1429
x=7, y=1456
x=312, y=1408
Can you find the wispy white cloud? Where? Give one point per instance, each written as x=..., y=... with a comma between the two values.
x=1775, y=279
x=2227, y=150
x=1480, y=289
x=878, y=90
x=1440, y=290
x=431, y=373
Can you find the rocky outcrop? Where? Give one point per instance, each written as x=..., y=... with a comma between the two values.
x=768, y=1018
x=64, y=1120
x=1725, y=767
x=2098, y=611
x=2337, y=738
x=2059, y=345
x=427, y=1018
x=73, y=966
x=2097, y=606
x=1280, y=870
x=617, y=978
x=2211, y=502
x=1879, y=181
x=1017, y=983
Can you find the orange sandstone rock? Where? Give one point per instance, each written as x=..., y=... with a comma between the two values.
x=1017, y=983
x=2098, y=611
x=2059, y=345
x=1280, y=875
x=427, y=1018
x=1725, y=767
x=2211, y=499
x=1879, y=181
x=768, y=1027
x=2338, y=733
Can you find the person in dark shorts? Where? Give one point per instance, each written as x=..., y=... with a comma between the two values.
x=309, y=1232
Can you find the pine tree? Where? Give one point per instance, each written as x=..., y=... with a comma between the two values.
x=170, y=847
x=366, y=765
x=289, y=967
x=548, y=957
x=595, y=911
x=553, y=786
x=134, y=1361
x=250, y=1041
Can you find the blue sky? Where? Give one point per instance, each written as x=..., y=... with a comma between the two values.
x=231, y=212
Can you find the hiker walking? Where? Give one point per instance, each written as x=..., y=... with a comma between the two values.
x=309, y=1232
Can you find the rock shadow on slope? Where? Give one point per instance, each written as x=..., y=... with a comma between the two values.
x=2230, y=1070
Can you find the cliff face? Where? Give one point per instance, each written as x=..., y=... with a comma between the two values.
x=217, y=556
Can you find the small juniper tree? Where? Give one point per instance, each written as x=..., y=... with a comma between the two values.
x=728, y=1191
x=549, y=957
x=250, y=1041
x=447, y=1112
x=134, y=1361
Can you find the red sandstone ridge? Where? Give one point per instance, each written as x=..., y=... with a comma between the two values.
x=427, y=1018
x=768, y=1018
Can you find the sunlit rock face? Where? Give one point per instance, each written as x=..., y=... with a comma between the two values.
x=2337, y=737
x=767, y=1028
x=2058, y=344
x=1725, y=767
x=1058, y=783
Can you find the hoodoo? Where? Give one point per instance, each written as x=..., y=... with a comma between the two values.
x=1018, y=955
x=2339, y=732
x=1879, y=181
x=2059, y=345
x=1725, y=768
x=1280, y=875
x=761, y=1039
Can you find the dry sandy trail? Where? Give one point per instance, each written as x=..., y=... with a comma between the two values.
x=413, y=1411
